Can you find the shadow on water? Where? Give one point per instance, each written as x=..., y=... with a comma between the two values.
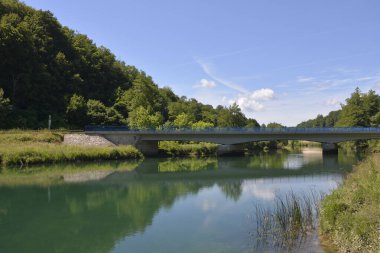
x=80, y=213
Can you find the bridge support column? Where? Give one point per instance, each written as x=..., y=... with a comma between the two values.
x=148, y=148
x=234, y=149
x=330, y=148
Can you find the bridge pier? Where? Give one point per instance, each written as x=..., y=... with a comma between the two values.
x=330, y=148
x=148, y=148
x=232, y=149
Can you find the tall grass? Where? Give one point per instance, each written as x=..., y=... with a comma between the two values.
x=175, y=148
x=288, y=224
x=35, y=153
x=350, y=216
x=19, y=136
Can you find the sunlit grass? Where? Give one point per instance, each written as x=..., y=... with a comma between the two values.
x=34, y=153
x=175, y=148
x=350, y=216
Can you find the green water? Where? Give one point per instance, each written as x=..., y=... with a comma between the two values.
x=158, y=205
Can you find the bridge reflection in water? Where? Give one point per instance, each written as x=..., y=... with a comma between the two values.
x=146, y=140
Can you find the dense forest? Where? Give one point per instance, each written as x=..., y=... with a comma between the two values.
x=48, y=69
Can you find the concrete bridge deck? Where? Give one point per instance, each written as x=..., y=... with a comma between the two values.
x=147, y=139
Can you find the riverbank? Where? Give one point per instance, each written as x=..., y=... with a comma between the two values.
x=350, y=216
x=20, y=148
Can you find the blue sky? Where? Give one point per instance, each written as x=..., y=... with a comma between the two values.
x=283, y=61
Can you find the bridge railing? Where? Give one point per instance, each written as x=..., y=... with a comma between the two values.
x=93, y=128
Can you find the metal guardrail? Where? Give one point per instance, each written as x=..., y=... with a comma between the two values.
x=238, y=130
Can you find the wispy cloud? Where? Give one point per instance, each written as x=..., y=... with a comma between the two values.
x=207, y=69
x=204, y=83
x=302, y=79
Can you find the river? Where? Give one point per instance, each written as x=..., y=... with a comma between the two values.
x=158, y=205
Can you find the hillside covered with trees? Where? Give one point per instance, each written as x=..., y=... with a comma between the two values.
x=48, y=69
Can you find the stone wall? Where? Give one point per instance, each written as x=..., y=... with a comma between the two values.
x=86, y=140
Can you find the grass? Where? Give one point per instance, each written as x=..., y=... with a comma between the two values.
x=175, y=148
x=21, y=148
x=289, y=224
x=350, y=216
x=20, y=136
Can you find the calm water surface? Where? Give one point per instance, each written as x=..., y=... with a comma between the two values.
x=163, y=205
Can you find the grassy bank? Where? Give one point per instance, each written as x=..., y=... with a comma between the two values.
x=350, y=216
x=175, y=148
x=19, y=148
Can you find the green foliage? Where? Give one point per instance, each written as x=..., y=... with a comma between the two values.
x=274, y=125
x=350, y=216
x=99, y=114
x=252, y=123
x=5, y=108
x=140, y=118
x=143, y=93
x=353, y=114
x=183, y=120
x=231, y=117
x=175, y=148
x=77, y=111
x=202, y=125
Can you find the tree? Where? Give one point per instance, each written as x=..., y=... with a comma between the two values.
x=100, y=114
x=141, y=118
x=77, y=111
x=143, y=93
x=183, y=120
x=231, y=117
x=202, y=125
x=353, y=113
x=252, y=123
x=5, y=108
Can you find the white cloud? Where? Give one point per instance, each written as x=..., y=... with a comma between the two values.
x=249, y=102
x=260, y=190
x=332, y=102
x=262, y=94
x=208, y=204
x=204, y=83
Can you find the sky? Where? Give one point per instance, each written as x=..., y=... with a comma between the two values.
x=280, y=61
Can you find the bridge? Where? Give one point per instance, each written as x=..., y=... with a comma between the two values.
x=146, y=140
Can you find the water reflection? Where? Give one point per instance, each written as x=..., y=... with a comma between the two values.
x=161, y=205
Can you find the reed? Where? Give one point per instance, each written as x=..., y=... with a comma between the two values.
x=288, y=224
